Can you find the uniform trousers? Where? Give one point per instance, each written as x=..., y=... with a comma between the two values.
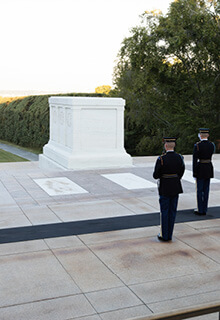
x=168, y=207
x=202, y=186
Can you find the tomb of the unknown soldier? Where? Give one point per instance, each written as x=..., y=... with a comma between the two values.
x=85, y=133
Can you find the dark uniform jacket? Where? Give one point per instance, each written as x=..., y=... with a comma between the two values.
x=202, y=156
x=169, y=168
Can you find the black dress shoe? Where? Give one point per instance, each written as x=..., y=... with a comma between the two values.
x=199, y=213
x=161, y=238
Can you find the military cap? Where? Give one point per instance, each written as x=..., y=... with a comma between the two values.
x=169, y=139
x=204, y=130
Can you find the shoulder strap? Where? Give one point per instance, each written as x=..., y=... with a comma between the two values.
x=161, y=159
x=197, y=144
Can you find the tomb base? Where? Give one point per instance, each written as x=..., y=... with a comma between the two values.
x=85, y=162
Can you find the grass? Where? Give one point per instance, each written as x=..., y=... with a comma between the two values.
x=9, y=157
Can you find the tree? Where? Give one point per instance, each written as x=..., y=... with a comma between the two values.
x=168, y=72
x=103, y=89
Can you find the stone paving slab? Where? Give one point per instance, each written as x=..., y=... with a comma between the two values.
x=86, y=269
x=178, y=287
x=13, y=219
x=22, y=247
x=89, y=210
x=113, y=299
x=105, y=237
x=56, y=309
x=33, y=276
x=40, y=215
x=117, y=274
x=140, y=260
x=138, y=278
x=191, y=300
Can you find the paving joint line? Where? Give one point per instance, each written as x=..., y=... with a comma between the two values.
x=37, y=301
x=90, y=249
x=60, y=263
x=189, y=245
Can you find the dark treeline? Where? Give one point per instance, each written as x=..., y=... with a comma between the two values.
x=24, y=121
x=168, y=71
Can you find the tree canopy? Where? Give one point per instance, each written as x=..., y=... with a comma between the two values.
x=105, y=89
x=168, y=71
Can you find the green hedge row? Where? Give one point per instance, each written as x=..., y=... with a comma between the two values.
x=25, y=121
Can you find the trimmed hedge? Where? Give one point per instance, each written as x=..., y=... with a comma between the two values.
x=25, y=121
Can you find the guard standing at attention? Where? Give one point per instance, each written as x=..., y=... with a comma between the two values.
x=203, y=169
x=169, y=169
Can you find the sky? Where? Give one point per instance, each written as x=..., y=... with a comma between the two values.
x=65, y=45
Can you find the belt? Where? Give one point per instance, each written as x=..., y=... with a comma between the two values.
x=170, y=175
x=205, y=160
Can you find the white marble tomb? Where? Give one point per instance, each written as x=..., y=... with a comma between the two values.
x=85, y=133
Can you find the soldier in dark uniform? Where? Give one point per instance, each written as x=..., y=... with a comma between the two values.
x=203, y=169
x=169, y=168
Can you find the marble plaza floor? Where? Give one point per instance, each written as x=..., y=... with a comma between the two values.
x=83, y=245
